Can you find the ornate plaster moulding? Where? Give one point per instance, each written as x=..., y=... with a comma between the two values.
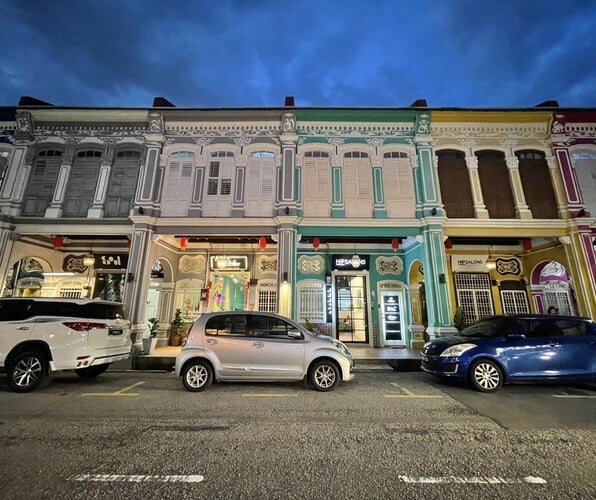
x=192, y=264
x=489, y=130
x=84, y=130
x=266, y=265
x=311, y=265
x=389, y=265
x=355, y=129
x=222, y=129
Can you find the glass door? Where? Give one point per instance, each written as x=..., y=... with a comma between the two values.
x=351, y=308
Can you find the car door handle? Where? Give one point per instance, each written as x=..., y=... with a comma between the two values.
x=258, y=345
x=211, y=341
x=23, y=328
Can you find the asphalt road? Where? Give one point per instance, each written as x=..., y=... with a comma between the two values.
x=384, y=435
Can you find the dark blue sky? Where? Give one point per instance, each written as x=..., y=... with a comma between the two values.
x=251, y=53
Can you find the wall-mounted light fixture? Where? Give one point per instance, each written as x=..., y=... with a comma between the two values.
x=285, y=277
x=355, y=261
x=88, y=260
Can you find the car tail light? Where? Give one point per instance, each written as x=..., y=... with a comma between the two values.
x=185, y=337
x=83, y=326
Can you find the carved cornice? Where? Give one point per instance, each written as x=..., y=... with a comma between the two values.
x=102, y=131
x=352, y=129
x=459, y=130
x=223, y=129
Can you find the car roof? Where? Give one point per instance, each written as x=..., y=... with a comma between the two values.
x=60, y=299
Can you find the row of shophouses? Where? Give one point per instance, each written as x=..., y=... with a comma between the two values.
x=373, y=225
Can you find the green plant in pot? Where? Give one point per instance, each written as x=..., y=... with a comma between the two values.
x=150, y=342
x=177, y=328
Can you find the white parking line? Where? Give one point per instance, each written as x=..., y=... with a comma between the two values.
x=121, y=392
x=409, y=394
x=270, y=395
x=573, y=396
x=471, y=480
x=140, y=478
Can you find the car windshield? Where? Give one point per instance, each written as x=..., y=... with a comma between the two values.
x=488, y=328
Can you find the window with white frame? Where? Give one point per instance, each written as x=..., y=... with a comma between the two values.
x=474, y=296
x=311, y=301
x=267, y=296
x=316, y=184
x=178, y=184
x=514, y=302
x=357, y=184
x=560, y=298
x=259, y=192
x=218, y=200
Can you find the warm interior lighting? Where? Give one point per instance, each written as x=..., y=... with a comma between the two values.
x=88, y=260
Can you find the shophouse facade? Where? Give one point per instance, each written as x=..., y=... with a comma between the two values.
x=370, y=225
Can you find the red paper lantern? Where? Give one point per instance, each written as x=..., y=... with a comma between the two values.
x=316, y=242
x=448, y=244
x=394, y=244
x=183, y=242
x=527, y=244
x=58, y=241
x=262, y=242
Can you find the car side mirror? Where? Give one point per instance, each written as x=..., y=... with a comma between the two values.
x=295, y=334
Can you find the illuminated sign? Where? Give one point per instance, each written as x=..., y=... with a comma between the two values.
x=350, y=262
x=228, y=263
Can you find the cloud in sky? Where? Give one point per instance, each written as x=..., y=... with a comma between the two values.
x=251, y=53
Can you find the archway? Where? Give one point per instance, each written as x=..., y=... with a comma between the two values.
x=551, y=286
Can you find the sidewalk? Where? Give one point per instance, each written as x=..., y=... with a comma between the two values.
x=365, y=359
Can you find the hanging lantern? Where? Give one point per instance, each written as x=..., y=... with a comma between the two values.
x=527, y=245
x=394, y=244
x=183, y=242
x=262, y=242
x=448, y=244
x=316, y=242
x=58, y=241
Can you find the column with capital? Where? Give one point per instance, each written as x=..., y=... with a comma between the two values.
x=521, y=207
x=480, y=210
x=96, y=210
x=286, y=268
x=149, y=191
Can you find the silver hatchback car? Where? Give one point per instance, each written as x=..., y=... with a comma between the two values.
x=255, y=346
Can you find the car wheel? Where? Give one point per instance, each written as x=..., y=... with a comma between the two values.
x=92, y=371
x=486, y=375
x=324, y=375
x=26, y=370
x=197, y=375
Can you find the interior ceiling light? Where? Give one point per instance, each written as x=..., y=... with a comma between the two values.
x=355, y=260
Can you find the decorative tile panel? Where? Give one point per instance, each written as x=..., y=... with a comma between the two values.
x=389, y=265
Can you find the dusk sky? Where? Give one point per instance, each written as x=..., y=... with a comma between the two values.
x=330, y=53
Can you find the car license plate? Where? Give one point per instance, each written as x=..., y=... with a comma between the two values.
x=115, y=332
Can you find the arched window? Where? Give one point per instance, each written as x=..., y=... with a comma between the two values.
x=178, y=184
x=496, y=188
x=123, y=183
x=42, y=182
x=455, y=184
x=316, y=184
x=357, y=184
x=82, y=183
x=536, y=181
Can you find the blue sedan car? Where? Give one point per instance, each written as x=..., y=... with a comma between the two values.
x=518, y=348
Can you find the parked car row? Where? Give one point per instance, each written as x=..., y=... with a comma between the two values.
x=40, y=336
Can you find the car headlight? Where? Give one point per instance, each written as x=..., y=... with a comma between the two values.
x=456, y=350
x=341, y=347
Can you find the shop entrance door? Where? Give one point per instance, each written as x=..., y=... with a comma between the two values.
x=351, y=308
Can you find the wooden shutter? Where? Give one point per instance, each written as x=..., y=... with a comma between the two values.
x=42, y=184
x=259, y=187
x=538, y=188
x=81, y=186
x=455, y=185
x=316, y=187
x=496, y=187
x=398, y=188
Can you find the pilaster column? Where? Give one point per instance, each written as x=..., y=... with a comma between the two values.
x=479, y=207
x=426, y=177
x=379, y=203
x=15, y=179
x=289, y=141
x=239, y=201
x=521, y=207
x=435, y=281
x=557, y=185
x=573, y=197
x=96, y=210
x=150, y=175
x=286, y=268
x=138, y=277
x=338, y=210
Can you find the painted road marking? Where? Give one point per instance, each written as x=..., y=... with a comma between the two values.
x=270, y=395
x=121, y=392
x=138, y=478
x=573, y=396
x=471, y=480
x=410, y=394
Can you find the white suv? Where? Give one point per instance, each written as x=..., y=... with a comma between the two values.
x=255, y=346
x=39, y=336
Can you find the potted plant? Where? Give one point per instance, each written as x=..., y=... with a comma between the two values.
x=177, y=328
x=150, y=342
x=458, y=319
